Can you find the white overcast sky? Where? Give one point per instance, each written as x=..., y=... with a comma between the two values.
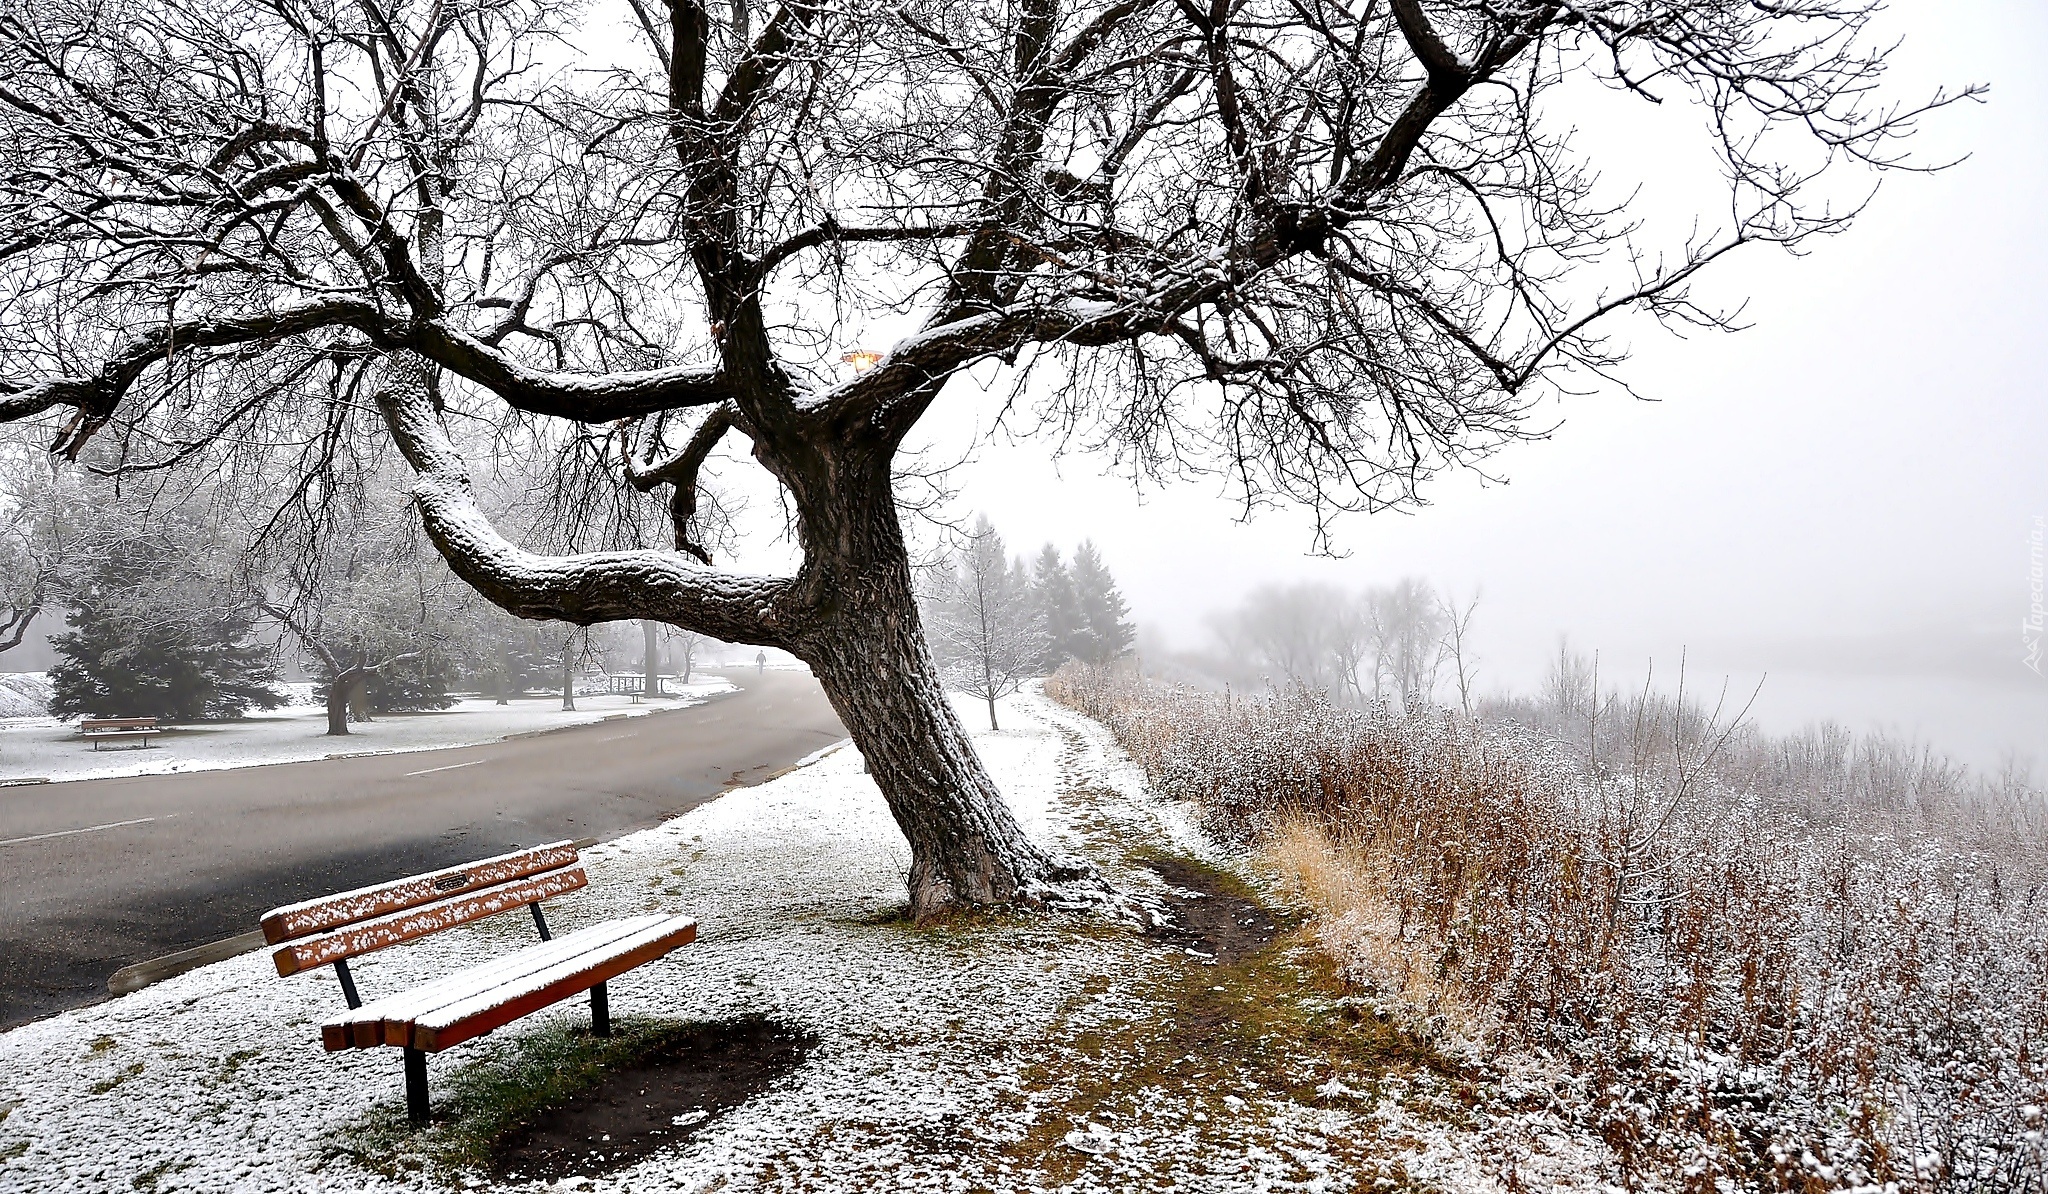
x=1840, y=496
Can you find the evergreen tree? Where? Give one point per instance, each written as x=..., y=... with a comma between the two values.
x=139, y=649
x=1104, y=614
x=1059, y=609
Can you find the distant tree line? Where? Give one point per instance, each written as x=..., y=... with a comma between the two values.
x=1404, y=645
x=169, y=614
x=994, y=621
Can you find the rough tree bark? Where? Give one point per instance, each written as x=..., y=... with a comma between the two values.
x=868, y=651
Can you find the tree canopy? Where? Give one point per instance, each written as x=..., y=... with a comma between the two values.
x=1325, y=251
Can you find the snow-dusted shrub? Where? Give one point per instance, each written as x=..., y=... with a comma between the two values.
x=1748, y=994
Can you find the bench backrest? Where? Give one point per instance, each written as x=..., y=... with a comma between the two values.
x=117, y=723
x=337, y=927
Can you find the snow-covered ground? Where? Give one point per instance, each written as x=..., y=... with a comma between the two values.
x=42, y=747
x=947, y=1059
x=24, y=694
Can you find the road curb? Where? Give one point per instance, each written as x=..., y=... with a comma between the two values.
x=156, y=970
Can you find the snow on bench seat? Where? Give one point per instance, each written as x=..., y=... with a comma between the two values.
x=471, y=1002
x=363, y=1027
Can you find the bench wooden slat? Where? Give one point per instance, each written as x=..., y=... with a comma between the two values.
x=386, y=931
x=481, y=1013
x=87, y=725
x=365, y=903
x=363, y=1027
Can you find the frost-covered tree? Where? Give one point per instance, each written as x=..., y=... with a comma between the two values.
x=989, y=629
x=1059, y=609
x=48, y=536
x=153, y=636
x=1104, y=613
x=360, y=592
x=1408, y=629
x=1325, y=251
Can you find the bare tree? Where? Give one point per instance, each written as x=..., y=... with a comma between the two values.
x=1407, y=641
x=1457, y=645
x=48, y=535
x=687, y=644
x=990, y=628
x=1326, y=250
x=650, y=658
x=1308, y=634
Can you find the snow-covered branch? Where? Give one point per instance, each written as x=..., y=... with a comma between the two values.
x=584, y=588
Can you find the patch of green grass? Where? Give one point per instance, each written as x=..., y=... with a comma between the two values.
x=102, y=1044
x=147, y=1180
x=105, y=1085
x=12, y=1149
x=1270, y=1025
x=480, y=1104
x=233, y=1062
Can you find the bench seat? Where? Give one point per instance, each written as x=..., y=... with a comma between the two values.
x=98, y=736
x=490, y=994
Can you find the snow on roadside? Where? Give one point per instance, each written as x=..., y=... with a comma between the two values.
x=921, y=1080
x=45, y=748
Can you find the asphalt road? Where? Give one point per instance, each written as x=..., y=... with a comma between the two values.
x=172, y=861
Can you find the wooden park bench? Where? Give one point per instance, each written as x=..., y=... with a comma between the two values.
x=472, y=1001
x=118, y=729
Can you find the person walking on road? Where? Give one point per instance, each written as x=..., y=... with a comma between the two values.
x=760, y=662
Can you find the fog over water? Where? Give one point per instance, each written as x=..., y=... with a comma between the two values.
x=1841, y=496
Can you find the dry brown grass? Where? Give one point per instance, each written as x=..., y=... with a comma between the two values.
x=1750, y=993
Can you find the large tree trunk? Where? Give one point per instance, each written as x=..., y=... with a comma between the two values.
x=650, y=684
x=849, y=613
x=966, y=848
x=341, y=695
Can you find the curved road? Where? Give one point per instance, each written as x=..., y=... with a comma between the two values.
x=187, y=859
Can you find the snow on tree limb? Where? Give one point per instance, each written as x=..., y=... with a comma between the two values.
x=584, y=588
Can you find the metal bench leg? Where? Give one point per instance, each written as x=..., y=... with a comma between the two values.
x=415, y=1085
x=348, y=983
x=600, y=1011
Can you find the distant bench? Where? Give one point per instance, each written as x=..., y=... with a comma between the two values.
x=118, y=729
x=472, y=1001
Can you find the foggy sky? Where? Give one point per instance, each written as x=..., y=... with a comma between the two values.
x=1839, y=496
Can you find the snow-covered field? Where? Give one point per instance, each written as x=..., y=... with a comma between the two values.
x=42, y=747
x=943, y=1054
